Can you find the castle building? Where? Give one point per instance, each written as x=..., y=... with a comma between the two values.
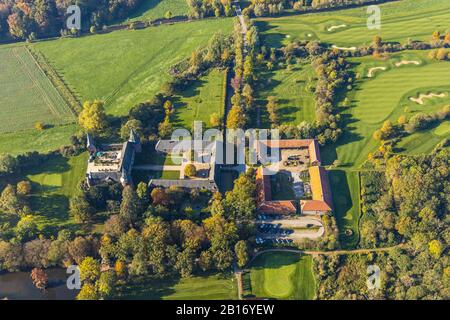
x=112, y=163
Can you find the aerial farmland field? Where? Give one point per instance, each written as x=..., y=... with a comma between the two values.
x=92, y=177
x=126, y=67
x=26, y=95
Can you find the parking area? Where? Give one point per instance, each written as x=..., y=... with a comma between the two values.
x=294, y=160
x=279, y=229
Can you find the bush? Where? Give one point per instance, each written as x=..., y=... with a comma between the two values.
x=190, y=170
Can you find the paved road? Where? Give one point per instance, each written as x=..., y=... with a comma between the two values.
x=299, y=222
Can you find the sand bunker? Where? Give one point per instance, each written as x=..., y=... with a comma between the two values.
x=336, y=27
x=398, y=64
x=344, y=48
x=420, y=99
x=309, y=35
x=371, y=71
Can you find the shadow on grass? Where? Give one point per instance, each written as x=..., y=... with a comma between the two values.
x=275, y=260
x=149, y=288
x=271, y=39
x=343, y=203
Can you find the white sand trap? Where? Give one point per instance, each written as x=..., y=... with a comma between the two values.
x=398, y=64
x=420, y=99
x=371, y=71
x=309, y=35
x=344, y=48
x=332, y=28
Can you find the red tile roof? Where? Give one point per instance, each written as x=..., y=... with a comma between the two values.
x=314, y=205
x=320, y=186
x=277, y=207
x=311, y=144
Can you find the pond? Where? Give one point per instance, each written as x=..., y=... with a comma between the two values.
x=19, y=286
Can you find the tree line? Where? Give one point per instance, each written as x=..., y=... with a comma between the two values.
x=31, y=19
x=407, y=204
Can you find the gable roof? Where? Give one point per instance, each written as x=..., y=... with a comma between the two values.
x=189, y=184
x=320, y=187
x=283, y=207
x=314, y=205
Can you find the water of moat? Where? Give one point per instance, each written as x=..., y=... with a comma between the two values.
x=18, y=286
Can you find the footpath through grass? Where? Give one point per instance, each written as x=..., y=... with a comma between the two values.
x=283, y=275
x=126, y=67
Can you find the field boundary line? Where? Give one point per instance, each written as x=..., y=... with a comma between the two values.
x=53, y=84
x=36, y=83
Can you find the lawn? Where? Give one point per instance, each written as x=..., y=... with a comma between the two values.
x=283, y=275
x=292, y=87
x=386, y=96
x=423, y=142
x=207, y=287
x=345, y=188
x=31, y=140
x=400, y=20
x=156, y=9
x=126, y=67
x=26, y=95
x=53, y=183
x=203, y=98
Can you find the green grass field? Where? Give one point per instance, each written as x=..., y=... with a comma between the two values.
x=386, y=96
x=283, y=275
x=26, y=95
x=126, y=67
x=53, y=183
x=200, y=100
x=208, y=287
x=345, y=187
x=290, y=86
x=400, y=20
x=31, y=140
x=156, y=9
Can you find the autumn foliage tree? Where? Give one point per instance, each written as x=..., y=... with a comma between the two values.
x=236, y=118
x=39, y=278
x=93, y=117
